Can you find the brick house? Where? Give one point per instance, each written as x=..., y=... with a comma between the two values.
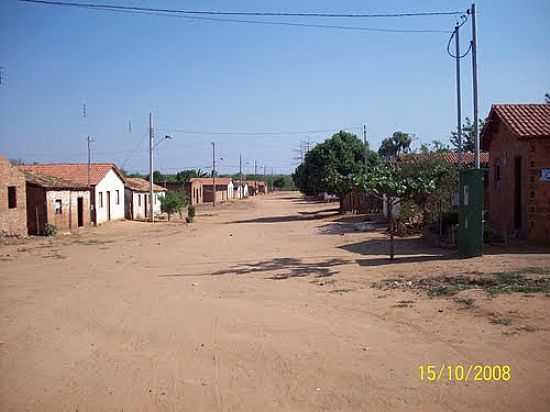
x=137, y=197
x=105, y=180
x=194, y=190
x=13, y=202
x=55, y=201
x=517, y=137
x=224, y=188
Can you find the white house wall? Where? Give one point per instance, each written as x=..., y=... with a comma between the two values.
x=139, y=202
x=110, y=183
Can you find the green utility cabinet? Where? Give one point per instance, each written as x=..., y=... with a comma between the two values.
x=470, y=222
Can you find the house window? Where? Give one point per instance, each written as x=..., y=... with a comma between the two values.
x=100, y=199
x=118, y=197
x=139, y=200
x=12, y=197
x=58, y=207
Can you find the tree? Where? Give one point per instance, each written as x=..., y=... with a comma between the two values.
x=401, y=181
x=468, y=137
x=172, y=202
x=547, y=98
x=394, y=146
x=331, y=166
x=435, y=147
x=279, y=182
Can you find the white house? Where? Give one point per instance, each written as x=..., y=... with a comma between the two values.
x=105, y=180
x=137, y=197
x=240, y=191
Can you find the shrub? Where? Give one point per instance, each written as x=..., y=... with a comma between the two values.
x=191, y=214
x=49, y=230
x=172, y=202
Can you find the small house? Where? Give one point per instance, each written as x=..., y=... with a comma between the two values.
x=54, y=201
x=223, y=190
x=517, y=137
x=137, y=198
x=194, y=190
x=240, y=190
x=13, y=203
x=105, y=181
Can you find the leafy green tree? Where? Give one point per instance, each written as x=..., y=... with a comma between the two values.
x=547, y=98
x=279, y=182
x=402, y=181
x=435, y=147
x=332, y=165
x=468, y=136
x=172, y=202
x=393, y=147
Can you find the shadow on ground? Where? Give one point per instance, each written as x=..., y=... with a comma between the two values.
x=285, y=268
x=414, y=250
x=301, y=216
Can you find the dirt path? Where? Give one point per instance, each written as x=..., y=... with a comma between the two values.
x=264, y=304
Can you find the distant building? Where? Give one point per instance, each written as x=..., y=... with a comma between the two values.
x=137, y=197
x=194, y=191
x=240, y=190
x=54, y=201
x=13, y=202
x=223, y=190
x=105, y=180
x=517, y=137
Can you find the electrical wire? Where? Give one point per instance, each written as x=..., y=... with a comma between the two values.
x=258, y=133
x=464, y=18
x=194, y=15
x=253, y=13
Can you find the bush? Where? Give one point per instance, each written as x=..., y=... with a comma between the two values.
x=172, y=202
x=49, y=230
x=191, y=214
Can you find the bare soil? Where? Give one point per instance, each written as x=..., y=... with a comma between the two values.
x=265, y=304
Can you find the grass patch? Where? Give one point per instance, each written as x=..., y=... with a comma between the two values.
x=528, y=281
x=340, y=291
x=469, y=302
x=500, y=320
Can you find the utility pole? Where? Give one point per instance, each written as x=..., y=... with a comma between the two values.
x=474, y=84
x=151, y=147
x=458, y=98
x=365, y=144
x=241, y=191
x=91, y=205
x=255, y=179
x=213, y=174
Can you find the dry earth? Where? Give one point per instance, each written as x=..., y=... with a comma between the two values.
x=261, y=305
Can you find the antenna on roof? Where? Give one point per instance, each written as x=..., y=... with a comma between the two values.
x=84, y=113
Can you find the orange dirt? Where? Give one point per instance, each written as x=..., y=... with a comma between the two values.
x=261, y=305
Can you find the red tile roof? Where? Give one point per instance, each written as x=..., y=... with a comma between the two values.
x=51, y=182
x=525, y=120
x=141, y=185
x=451, y=157
x=74, y=172
x=208, y=180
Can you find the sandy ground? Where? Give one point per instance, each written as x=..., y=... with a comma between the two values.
x=261, y=305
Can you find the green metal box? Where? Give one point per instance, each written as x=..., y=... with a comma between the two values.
x=470, y=223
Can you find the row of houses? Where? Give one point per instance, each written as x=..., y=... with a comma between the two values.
x=205, y=190
x=70, y=196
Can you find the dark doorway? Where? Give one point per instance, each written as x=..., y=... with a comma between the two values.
x=517, y=194
x=108, y=205
x=80, y=211
x=146, y=204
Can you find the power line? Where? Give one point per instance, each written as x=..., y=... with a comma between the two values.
x=194, y=15
x=247, y=13
x=255, y=133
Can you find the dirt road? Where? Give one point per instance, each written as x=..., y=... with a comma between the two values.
x=261, y=305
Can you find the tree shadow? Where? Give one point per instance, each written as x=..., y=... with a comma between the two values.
x=286, y=267
x=414, y=250
x=322, y=214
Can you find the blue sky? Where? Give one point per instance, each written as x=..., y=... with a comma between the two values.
x=220, y=76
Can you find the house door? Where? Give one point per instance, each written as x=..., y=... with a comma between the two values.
x=80, y=211
x=145, y=203
x=108, y=205
x=517, y=193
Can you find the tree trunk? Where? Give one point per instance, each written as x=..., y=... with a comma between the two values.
x=390, y=217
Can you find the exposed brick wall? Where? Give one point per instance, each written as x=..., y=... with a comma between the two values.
x=41, y=209
x=504, y=148
x=13, y=222
x=538, y=191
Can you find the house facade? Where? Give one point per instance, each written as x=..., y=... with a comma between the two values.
x=517, y=137
x=222, y=192
x=194, y=191
x=56, y=202
x=105, y=180
x=13, y=202
x=240, y=191
x=137, y=198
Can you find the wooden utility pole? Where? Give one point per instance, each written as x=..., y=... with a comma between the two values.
x=241, y=175
x=151, y=147
x=458, y=98
x=474, y=84
x=213, y=174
